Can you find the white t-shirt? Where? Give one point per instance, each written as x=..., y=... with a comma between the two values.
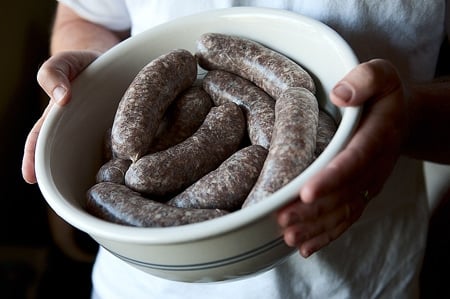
x=380, y=255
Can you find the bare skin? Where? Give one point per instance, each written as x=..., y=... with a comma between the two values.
x=399, y=118
x=75, y=43
x=333, y=199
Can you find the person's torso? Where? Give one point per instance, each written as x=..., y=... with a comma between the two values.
x=409, y=33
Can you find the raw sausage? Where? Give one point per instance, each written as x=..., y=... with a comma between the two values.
x=268, y=69
x=258, y=106
x=119, y=204
x=113, y=171
x=143, y=105
x=169, y=171
x=183, y=117
x=325, y=131
x=293, y=142
x=107, y=153
x=227, y=186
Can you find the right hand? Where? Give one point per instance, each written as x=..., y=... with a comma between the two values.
x=54, y=76
x=336, y=196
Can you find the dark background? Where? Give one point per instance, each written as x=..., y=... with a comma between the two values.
x=32, y=265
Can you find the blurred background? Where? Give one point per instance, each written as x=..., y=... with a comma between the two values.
x=40, y=255
x=35, y=261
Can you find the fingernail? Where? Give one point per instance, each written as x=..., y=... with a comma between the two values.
x=343, y=92
x=305, y=253
x=58, y=93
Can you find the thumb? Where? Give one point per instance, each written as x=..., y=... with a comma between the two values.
x=369, y=80
x=55, y=74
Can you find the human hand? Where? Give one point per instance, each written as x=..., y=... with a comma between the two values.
x=54, y=76
x=333, y=199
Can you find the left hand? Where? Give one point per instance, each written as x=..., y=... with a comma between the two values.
x=55, y=77
x=333, y=199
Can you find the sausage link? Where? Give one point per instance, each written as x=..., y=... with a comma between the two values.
x=227, y=186
x=169, y=171
x=268, y=69
x=258, y=106
x=113, y=171
x=325, y=131
x=293, y=142
x=146, y=99
x=119, y=204
x=107, y=153
x=183, y=117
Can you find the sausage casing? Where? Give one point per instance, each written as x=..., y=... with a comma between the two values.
x=183, y=117
x=258, y=106
x=119, y=204
x=169, y=171
x=227, y=186
x=293, y=142
x=268, y=69
x=113, y=171
x=146, y=99
x=325, y=131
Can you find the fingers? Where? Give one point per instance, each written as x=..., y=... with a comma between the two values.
x=330, y=228
x=298, y=211
x=310, y=227
x=28, y=170
x=335, y=197
x=54, y=76
x=321, y=240
x=376, y=143
x=58, y=71
x=368, y=80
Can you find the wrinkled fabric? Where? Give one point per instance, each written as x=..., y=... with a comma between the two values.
x=380, y=255
x=407, y=32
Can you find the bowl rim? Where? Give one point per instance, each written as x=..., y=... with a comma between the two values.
x=99, y=228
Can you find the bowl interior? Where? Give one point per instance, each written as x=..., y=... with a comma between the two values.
x=69, y=147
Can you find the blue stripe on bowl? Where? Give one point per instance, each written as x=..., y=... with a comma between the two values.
x=203, y=266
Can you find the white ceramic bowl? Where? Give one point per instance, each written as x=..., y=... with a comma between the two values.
x=245, y=242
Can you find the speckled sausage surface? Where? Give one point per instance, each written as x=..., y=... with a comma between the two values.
x=119, y=204
x=325, y=131
x=227, y=186
x=293, y=143
x=183, y=117
x=169, y=171
x=113, y=171
x=143, y=105
x=107, y=153
x=258, y=106
x=268, y=69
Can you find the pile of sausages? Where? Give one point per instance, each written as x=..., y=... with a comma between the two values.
x=184, y=149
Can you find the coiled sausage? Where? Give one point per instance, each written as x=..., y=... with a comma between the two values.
x=119, y=204
x=258, y=106
x=169, y=171
x=183, y=117
x=268, y=69
x=293, y=142
x=143, y=105
x=227, y=186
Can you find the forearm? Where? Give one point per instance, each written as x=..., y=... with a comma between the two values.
x=71, y=32
x=429, y=137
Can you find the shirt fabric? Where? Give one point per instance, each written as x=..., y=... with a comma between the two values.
x=380, y=255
